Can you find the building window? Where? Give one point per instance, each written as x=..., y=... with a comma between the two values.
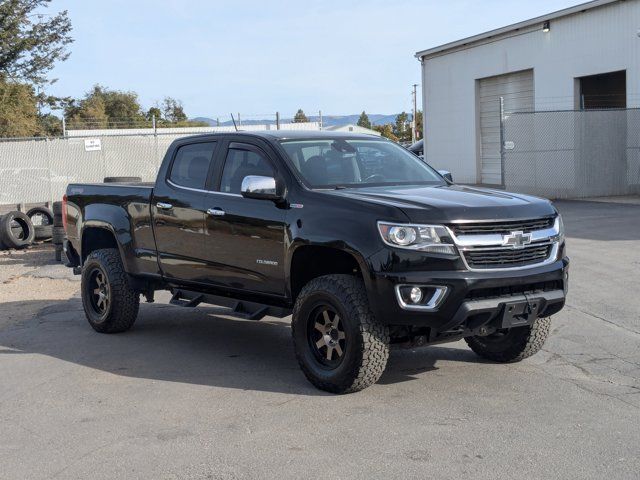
x=606, y=90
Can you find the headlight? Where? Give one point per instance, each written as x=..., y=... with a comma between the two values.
x=425, y=238
x=560, y=228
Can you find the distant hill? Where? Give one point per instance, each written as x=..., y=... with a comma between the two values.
x=327, y=120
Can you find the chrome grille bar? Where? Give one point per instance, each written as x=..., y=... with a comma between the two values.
x=488, y=251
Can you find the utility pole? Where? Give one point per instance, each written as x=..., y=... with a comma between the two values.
x=277, y=120
x=320, y=118
x=239, y=122
x=414, y=123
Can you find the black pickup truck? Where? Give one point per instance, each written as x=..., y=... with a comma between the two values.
x=357, y=238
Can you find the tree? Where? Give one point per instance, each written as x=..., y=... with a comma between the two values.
x=31, y=43
x=300, y=117
x=419, y=125
x=172, y=110
x=102, y=107
x=386, y=131
x=120, y=106
x=363, y=121
x=402, y=128
x=89, y=113
x=154, y=112
x=49, y=125
x=18, y=110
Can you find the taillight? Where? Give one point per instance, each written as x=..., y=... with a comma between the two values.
x=64, y=212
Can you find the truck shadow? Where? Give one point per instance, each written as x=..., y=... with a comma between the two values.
x=192, y=346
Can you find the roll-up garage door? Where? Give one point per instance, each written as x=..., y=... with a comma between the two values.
x=517, y=91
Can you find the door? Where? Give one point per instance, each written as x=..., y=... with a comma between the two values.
x=516, y=89
x=178, y=212
x=244, y=236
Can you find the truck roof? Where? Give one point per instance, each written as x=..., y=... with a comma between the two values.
x=291, y=134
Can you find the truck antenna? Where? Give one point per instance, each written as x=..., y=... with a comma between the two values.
x=234, y=122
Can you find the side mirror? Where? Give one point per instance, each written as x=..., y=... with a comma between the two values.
x=259, y=187
x=447, y=175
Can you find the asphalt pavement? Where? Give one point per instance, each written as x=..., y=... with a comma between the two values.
x=188, y=393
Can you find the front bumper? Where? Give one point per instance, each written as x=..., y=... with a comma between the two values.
x=473, y=299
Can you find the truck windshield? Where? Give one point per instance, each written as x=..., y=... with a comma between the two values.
x=339, y=162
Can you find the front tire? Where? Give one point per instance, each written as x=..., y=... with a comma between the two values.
x=110, y=305
x=340, y=346
x=512, y=345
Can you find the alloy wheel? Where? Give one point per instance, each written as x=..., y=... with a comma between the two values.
x=100, y=291
x=327, y=337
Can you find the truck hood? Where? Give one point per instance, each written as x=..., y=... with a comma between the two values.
x=451, y=203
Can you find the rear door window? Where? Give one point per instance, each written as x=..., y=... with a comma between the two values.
x=191, y=165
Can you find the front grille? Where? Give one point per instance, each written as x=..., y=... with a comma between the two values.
x=502, y=228
x=507, y=257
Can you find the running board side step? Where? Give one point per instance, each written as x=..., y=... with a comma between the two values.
x=238, y=308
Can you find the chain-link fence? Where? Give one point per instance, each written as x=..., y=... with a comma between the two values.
x=572, y=154
x=38, y=170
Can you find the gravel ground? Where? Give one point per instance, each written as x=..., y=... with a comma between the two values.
x=189, y=394
x=29, y=279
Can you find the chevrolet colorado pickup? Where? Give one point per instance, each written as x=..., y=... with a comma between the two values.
x=359, y=240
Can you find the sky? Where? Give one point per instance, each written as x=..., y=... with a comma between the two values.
x=259, y=57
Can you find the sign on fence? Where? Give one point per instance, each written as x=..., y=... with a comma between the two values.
x=92, y=144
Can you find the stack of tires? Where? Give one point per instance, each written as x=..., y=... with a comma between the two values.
x=58, y=230
x=19, y=230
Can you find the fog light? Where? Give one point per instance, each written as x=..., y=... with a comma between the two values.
x=415, y=294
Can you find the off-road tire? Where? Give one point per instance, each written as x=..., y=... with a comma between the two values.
x=8, y=235
x=367, y=349
x=517, y=344
x=124, y=302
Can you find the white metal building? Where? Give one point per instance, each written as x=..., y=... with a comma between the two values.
x=583, y=57
x=351, y=128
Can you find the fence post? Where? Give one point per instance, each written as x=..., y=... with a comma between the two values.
x=49, y=168
x=502, y=152
x=277, y=120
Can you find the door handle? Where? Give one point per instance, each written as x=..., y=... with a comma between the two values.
x=164, y=206
x=216, y=212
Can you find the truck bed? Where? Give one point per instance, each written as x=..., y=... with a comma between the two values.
x=122, y=208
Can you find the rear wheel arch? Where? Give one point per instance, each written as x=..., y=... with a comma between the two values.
x=96, y=237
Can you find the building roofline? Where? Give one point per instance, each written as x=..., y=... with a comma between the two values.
x=503, y=31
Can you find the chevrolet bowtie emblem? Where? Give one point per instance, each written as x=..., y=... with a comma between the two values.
x=516, y=239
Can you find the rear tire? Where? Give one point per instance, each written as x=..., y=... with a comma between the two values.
x=514, y=344
x=110, y=304
x=340, y=346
